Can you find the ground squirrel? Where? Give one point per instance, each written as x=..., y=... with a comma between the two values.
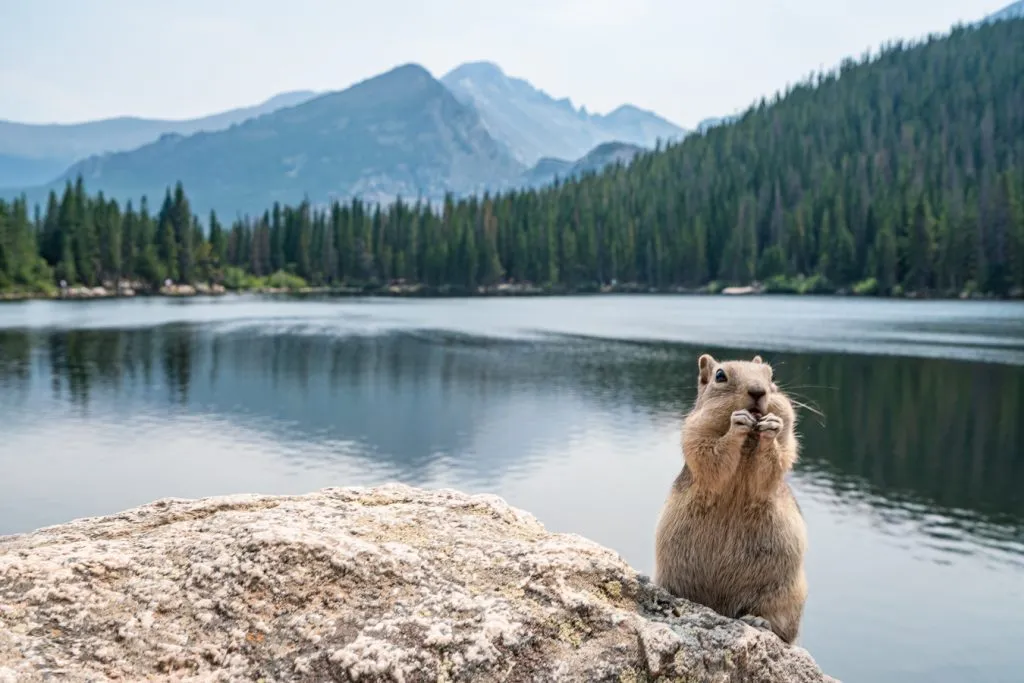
x=731, y=535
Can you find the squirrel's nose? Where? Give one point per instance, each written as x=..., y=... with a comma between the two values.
x=756, y=393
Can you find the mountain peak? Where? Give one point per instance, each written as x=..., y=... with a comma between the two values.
x=483, y=70
x=630, y=111
x=409, y=68
x=534, y=125
x=405, y=82
x=627, y=109
x=409, y=73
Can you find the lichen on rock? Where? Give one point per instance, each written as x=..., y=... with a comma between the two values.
x=365, y=584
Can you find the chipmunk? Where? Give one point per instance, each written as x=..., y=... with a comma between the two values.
x=731, y=535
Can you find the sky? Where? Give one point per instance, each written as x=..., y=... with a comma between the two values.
x=68, y=60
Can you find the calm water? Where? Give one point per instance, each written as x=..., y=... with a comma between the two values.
x=912, y=482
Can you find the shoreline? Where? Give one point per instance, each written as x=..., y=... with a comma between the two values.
x=459, y=292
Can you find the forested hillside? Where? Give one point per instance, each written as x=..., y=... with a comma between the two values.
x=900, y=172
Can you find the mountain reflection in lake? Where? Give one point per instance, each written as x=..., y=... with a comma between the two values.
x=910, y=479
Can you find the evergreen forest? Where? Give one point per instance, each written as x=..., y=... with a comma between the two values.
x=902, y=171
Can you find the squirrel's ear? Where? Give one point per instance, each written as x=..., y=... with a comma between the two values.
x=705, y=363
x=758, y=360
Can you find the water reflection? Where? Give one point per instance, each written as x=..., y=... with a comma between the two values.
x=935, y=443
x=918, y=437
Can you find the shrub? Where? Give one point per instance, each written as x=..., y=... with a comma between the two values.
x=867, y=287
x=283, y=280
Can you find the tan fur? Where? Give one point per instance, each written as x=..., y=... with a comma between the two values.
x=731, y=535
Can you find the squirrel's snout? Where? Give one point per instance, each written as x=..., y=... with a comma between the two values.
x=757, y=395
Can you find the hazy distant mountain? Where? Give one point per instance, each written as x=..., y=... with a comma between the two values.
x=534, y=125
x=399, y=133
x=638, y=127
x=32, y=154
x=546, y=170
x=597, y=159
x=1014, y=11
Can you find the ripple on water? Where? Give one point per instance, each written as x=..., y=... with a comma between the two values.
x=901, y=517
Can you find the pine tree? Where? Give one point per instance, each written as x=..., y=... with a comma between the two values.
x=50, y=240
x=181, y=222
x=921, y=247
x=218, y=242
x=129, y=242
x=83, y=237
x=886, y=258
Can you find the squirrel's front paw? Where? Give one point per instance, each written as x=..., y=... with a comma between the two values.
x=743, y=421
x=769, y=426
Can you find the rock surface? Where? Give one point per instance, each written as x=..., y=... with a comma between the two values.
x=365, y=584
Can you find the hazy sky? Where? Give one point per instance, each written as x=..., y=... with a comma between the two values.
x=73, y=60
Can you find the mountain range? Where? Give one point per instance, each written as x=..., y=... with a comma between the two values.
x=34, y=153
x=401, y=133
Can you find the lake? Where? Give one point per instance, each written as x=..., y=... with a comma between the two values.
x=911, y=478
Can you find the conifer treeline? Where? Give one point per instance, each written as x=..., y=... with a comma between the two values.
x=901, y=171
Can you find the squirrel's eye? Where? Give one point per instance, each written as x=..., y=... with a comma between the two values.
x=720, y=375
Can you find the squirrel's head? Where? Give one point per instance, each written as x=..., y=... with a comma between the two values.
x=724, y=387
